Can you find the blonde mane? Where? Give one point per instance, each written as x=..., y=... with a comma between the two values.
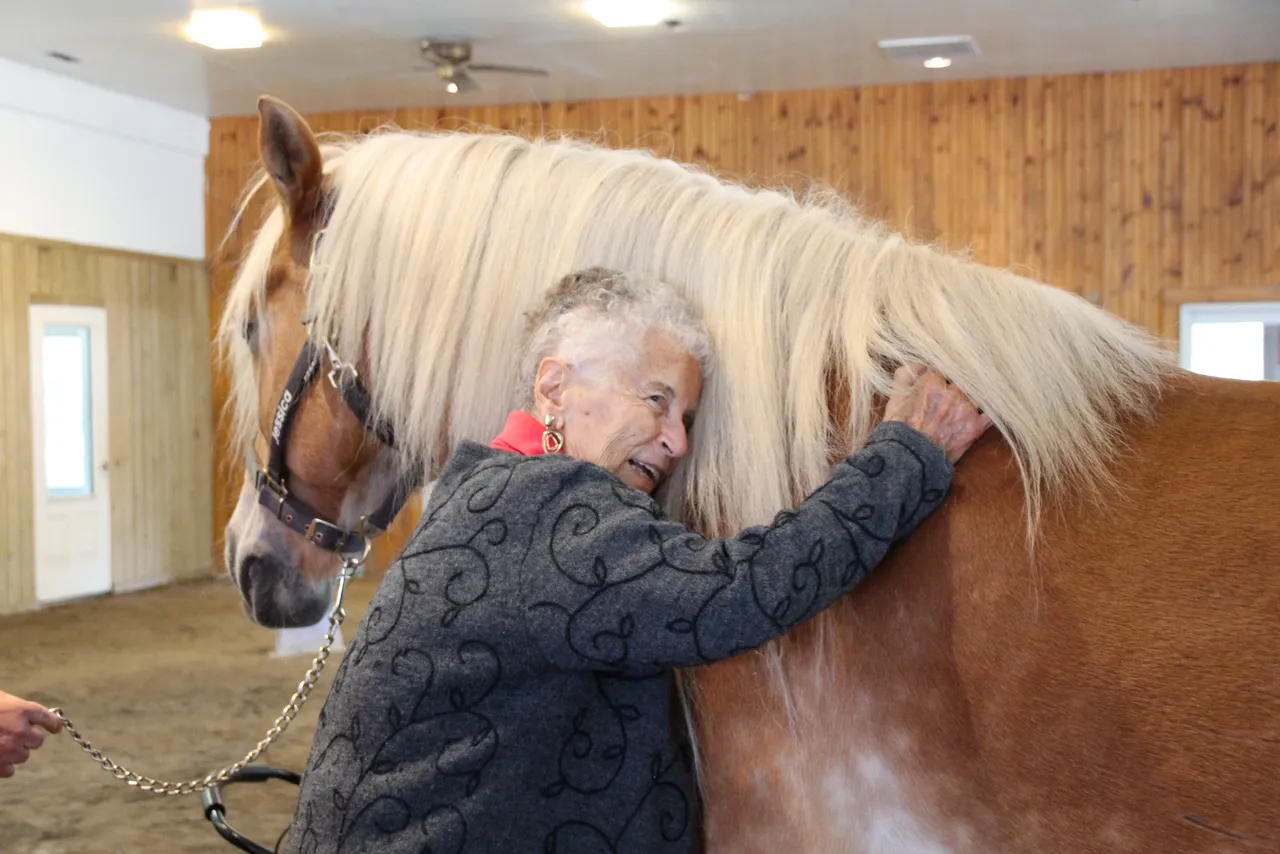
x=438, y=244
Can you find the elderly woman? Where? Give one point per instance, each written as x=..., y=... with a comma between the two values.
x=510, y=689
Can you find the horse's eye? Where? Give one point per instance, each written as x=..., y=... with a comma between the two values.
x=251, y=332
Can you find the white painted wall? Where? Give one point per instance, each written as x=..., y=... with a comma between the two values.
x=91, y=166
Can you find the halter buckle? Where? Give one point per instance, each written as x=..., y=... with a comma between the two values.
x=265, y=479
x=321, y=532
x=279, y=492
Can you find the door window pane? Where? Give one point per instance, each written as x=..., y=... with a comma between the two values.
x=1228, y=350
x=68, y=412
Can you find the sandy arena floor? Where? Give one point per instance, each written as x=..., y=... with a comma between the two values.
x=171, y=683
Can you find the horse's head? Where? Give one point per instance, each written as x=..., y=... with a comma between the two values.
x=320, y=479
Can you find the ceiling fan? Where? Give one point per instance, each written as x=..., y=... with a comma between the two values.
x=452, y=61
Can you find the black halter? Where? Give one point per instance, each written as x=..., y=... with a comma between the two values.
x=272, y=483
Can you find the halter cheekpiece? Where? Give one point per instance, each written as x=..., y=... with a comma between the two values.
x=273, y=482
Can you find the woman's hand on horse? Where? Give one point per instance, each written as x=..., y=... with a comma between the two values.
x=924, y=400
x=18, y=734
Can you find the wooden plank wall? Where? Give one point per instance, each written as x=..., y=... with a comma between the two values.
x=1138, y=190
x=160, y=417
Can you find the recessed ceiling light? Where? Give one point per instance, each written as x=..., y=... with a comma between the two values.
x=628, y=13
x=452, y=88
x=225, y=29
x=937, y=62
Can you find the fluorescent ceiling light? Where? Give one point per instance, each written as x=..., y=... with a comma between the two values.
x=628, y=13
x=225, y=29
x=937, y=62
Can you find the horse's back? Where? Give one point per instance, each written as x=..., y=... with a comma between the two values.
x=1122, y=694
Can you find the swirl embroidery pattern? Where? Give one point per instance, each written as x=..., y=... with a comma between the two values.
x=510, y=686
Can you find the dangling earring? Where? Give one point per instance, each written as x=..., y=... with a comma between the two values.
x=552, y=440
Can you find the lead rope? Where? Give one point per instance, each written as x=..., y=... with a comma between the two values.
x=190, y=787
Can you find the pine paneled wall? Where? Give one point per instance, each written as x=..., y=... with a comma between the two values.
x=160, y=420
x=1138, y=190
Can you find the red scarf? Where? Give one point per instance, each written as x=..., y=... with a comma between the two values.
x=522, y=435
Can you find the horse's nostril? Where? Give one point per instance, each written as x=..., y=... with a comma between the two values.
x=276, y=597
x=259, y=572
x=259, y=578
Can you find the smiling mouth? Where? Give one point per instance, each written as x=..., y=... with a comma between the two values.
x=646, y=471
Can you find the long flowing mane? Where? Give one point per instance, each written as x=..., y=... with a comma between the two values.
x=438, y=243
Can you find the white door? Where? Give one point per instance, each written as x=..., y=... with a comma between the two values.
x=69, y=441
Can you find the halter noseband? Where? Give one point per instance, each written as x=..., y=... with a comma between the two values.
x=272, y=482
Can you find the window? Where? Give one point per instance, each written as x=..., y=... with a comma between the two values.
x=1232, y=340
x=68, y=412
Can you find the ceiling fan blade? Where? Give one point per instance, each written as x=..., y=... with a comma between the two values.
x=405, y=72
x=466, y=83
x=507, y=69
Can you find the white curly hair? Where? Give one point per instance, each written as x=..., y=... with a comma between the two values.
x=595, y=318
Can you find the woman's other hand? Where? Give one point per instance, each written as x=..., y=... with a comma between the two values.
x=924, y=400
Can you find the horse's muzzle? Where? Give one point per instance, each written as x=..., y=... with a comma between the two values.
x=276, y=596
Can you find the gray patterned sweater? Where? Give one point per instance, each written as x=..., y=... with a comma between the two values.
x=510, y=688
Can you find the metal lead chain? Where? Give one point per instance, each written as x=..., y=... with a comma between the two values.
x=190, y=787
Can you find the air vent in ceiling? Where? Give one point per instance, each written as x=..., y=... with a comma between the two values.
x=914, y=50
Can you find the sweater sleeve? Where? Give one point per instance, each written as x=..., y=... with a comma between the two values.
x=609, y=584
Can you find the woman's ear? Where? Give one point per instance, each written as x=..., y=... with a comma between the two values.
x=549, y=386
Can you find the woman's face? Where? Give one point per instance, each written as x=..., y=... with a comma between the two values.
x=633, y=420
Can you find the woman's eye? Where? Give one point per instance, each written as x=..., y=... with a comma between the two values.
x=657, y=400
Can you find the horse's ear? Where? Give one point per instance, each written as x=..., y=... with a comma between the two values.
x=292, y=158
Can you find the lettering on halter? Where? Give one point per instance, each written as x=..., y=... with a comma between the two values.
x=286, y=400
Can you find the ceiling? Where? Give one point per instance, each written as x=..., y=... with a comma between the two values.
x=349, y=54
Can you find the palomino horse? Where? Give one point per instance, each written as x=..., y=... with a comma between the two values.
x=1079, y=653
